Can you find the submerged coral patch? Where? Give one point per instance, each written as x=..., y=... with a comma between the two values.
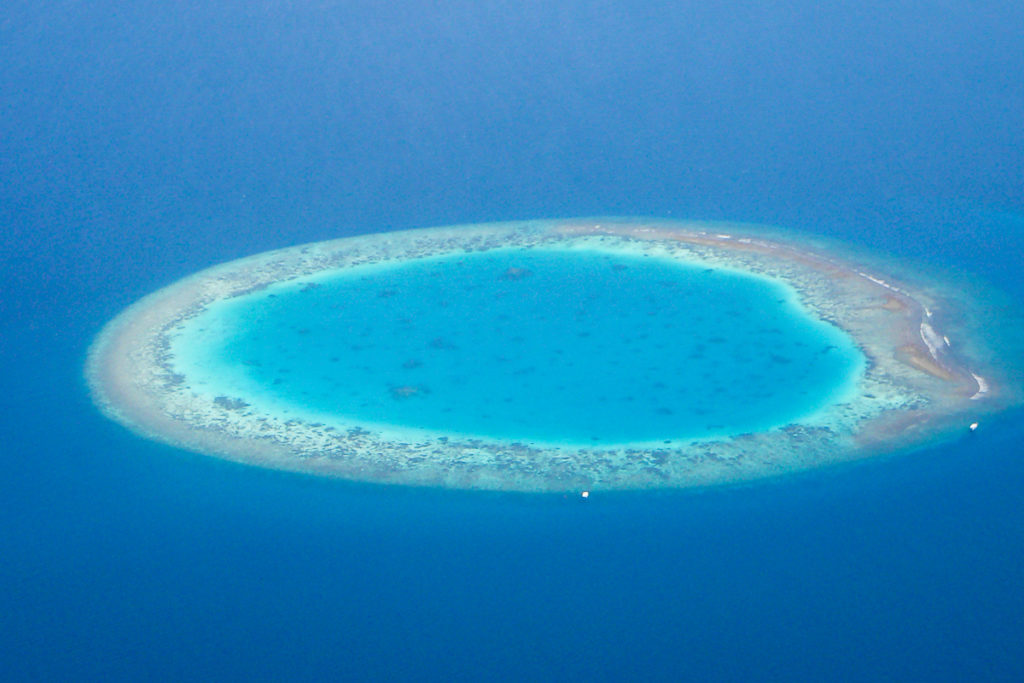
x=547, y=355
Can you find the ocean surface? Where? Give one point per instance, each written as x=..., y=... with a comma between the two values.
x=142, y=142
x=555, y=346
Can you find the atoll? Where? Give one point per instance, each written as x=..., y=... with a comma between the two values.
x=929, y=368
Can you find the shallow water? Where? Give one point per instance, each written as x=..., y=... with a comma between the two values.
x=557, y=346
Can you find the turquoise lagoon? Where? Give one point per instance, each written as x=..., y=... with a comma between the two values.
x=559, y=346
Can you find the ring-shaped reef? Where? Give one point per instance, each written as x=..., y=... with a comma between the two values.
x=555, y=355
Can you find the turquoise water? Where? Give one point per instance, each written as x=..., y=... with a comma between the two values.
x=556, y=346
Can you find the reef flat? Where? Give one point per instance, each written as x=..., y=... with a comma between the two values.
x=927, y=370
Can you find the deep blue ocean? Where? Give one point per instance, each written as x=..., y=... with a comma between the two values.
x=143, y=141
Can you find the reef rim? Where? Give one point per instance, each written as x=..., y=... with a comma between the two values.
x=920, y=384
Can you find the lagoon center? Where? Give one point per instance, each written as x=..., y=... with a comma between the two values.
x=552, y=355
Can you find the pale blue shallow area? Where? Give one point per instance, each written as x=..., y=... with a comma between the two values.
x=557, y=346
x=141, y=142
